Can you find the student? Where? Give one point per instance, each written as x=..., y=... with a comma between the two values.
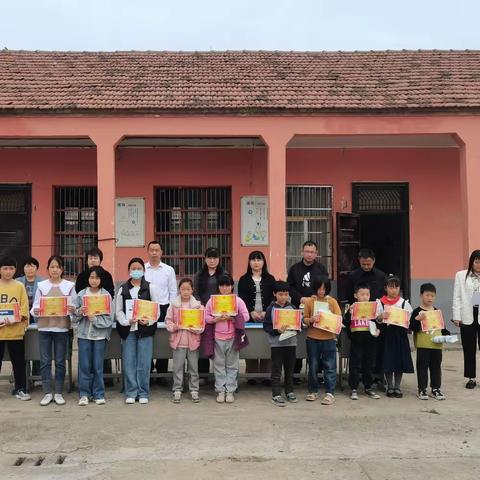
x=397, y=358
x=363, y=345
x=184, y=343
x=321, y=345
x=54, y=331
x=255, y=288
x=137, y=336
x=229, y=337
x=283, y=351
x=30, y=279
x=429, y=354
x=12, y=334
x=93, y=332
x=94, y=258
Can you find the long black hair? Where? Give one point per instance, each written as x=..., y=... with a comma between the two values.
x=473, y=256
x=257, y=255
x=203, y=275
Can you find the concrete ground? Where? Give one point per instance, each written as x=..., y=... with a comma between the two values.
x=368, y=439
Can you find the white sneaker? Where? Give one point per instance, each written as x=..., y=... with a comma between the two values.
x=177, y=396
x=21, y=395
x=83, y=402
x=195, y=397
x=221, y=397
x=130, y=400
x=47, y=398
x=143, y=401
x=354, y=395
x=100, y=401
x=59, y=400
x=229, y=398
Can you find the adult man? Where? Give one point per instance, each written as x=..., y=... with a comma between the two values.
x=163, y=277
x=300, y=280
x=367, y=274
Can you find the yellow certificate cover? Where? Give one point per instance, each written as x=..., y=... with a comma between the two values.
x=433, y=320
x=329, y=322
x=224, y=305
x=364, y=311
x=398, y=317
x=145, y=310
x=9, y=313
x=191, y=318
x=287, y=317
x=97, y=305
x=53, y=307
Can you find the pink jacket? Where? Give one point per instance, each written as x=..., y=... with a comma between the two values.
x=171, y=322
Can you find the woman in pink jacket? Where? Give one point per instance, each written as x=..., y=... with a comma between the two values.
x=185, y=343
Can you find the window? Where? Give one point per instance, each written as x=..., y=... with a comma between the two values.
x=309, y=217
x=188, y=221
x=75, y=225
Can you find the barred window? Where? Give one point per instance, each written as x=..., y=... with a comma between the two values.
x=75, y=225
x=309, y=217
x=188, y=221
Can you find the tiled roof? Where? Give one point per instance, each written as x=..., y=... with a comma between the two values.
x=238, y=82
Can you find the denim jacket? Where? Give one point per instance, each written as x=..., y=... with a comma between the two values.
x=100, y=327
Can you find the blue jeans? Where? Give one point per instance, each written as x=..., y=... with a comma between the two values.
x=136, y=359
x=322, y=352
x=59, y=342
x=90, y=368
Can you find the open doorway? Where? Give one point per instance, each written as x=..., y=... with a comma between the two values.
x=384, y=226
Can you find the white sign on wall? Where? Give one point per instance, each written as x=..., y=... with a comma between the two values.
x=130, y=222
x=254, y=229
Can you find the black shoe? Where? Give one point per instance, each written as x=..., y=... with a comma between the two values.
x=471, y=384
x=397, y=393
x=390, y=393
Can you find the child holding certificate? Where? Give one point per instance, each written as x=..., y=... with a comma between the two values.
x=321, y=344
x=396, y=356
x=227, y=316
x=93, y=322
x=283, y=350
x=137, y=334
x=429, y=354
x=53, y=304
x=13, y=323
x=185, y=322
x=363, y=343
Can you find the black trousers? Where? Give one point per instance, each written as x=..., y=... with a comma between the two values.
x=470, y=337
x=161, y=364
x=429, y=359
x=362, y=359
x=16, y=350
x=283, y=357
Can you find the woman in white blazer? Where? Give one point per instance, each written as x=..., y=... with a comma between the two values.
x=465, y=314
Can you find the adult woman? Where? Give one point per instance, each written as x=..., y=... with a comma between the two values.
x=205, y=284
x=53, y=331
x=137, y=336
x=255, y=288
x=465, y=314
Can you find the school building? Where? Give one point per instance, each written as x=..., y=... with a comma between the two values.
x=243, y=150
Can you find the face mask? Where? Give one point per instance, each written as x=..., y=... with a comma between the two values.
x=136, y=274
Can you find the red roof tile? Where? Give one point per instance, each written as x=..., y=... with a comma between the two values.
x=238, y=82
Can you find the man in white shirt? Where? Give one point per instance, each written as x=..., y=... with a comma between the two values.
x=163, y=277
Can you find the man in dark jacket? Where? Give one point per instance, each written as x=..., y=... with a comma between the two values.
x=300, y=281
x=367, y=274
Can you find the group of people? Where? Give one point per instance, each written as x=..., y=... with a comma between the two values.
x=379, y=353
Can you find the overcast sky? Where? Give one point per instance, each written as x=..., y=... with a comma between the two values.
x=239, y=25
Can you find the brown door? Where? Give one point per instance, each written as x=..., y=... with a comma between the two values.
x=15, y=224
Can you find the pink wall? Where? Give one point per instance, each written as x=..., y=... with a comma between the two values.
x=433, y=174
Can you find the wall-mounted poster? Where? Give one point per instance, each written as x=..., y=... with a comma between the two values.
x=130, y=222
x=254, y=229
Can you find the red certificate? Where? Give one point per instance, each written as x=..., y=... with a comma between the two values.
x=224, y=305
x=433, y=320
x=53, y=307
x=287, y=317
x=9, y=313
x=96, y=305
x=145, y=310
x=329, y=322
x=191, y=318
x=364, y=310
x=398, y=316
